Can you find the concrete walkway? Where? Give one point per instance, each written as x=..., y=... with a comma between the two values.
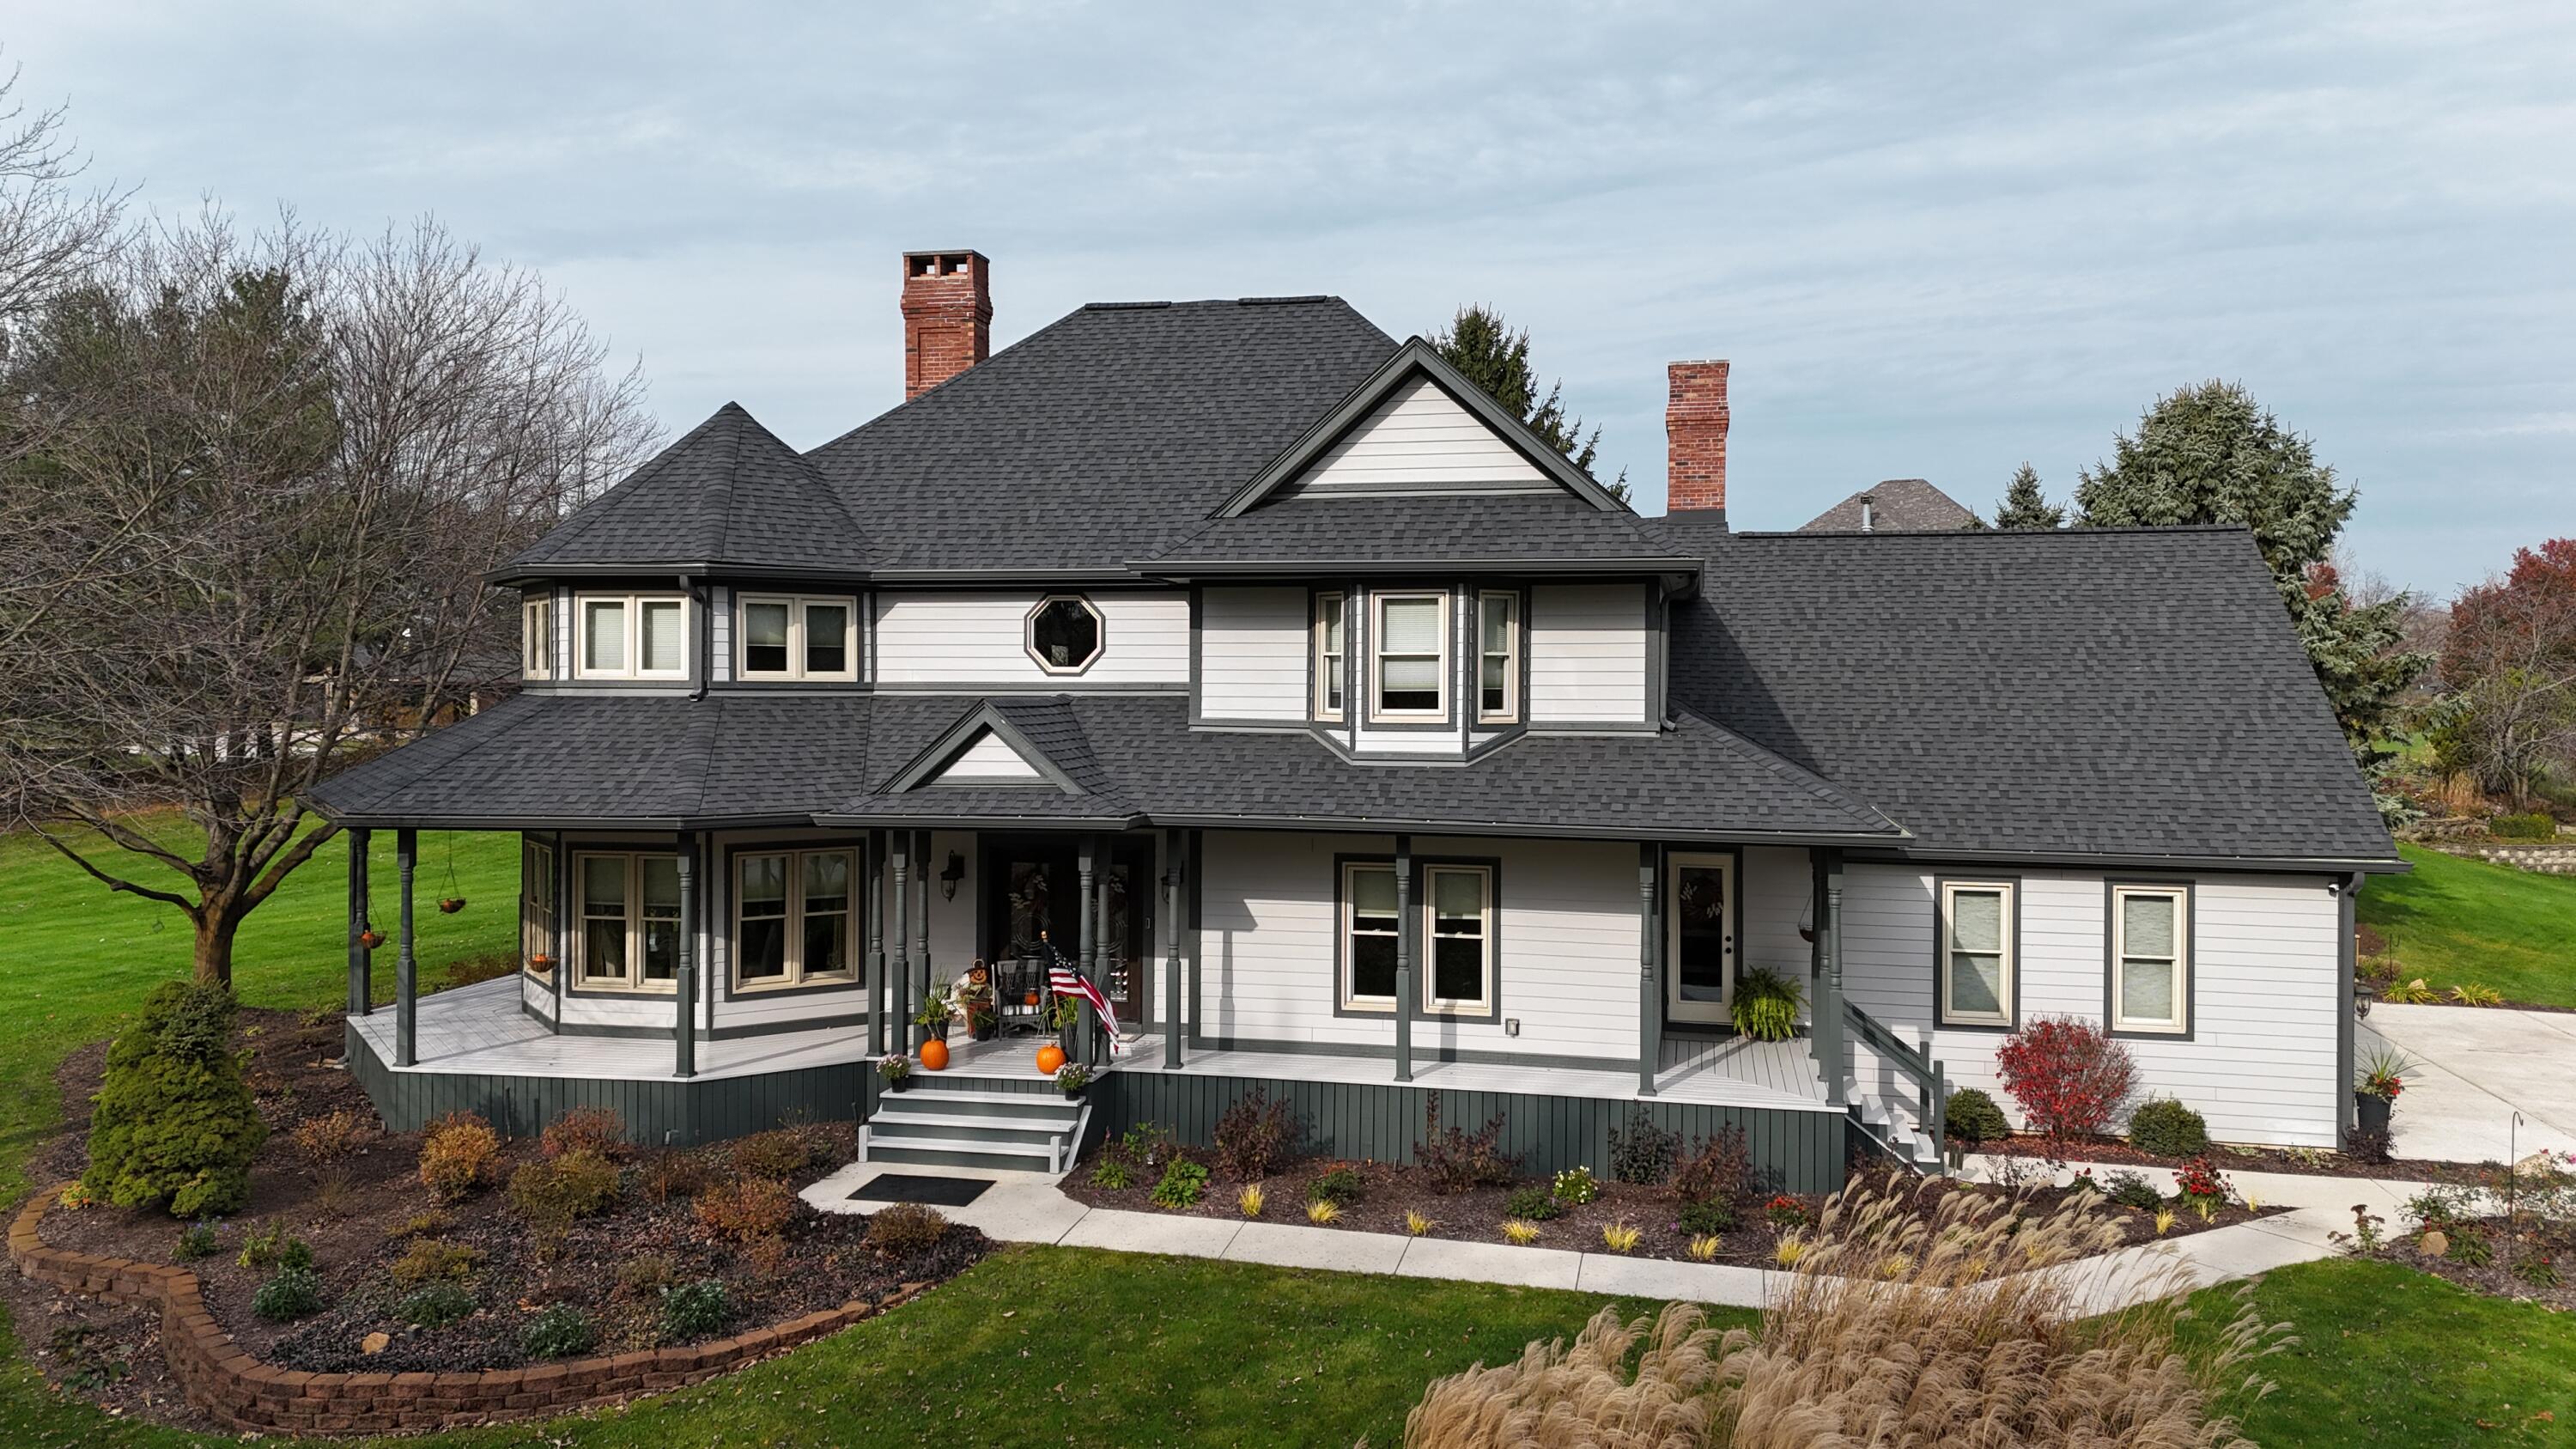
x=1028, y=1208
x=2479, y=1066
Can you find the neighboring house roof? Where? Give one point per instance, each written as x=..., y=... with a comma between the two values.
x=1899, y=505
x=728, y=492
x=2124, y=692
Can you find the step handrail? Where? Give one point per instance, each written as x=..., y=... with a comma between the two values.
x=1917, y=1064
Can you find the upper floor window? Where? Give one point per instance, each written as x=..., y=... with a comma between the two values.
x=633, y=636
x=1065, y=634
x=1332, y=654
x=797, y=638
x=2151, y=959
x=1498, y=657
x=1977, y=953
x=629, y=916
x=537, y=637
x=1410, y=667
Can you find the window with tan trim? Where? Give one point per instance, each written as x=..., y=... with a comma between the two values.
x=2150, y=959
x=790, y=637
x=627, y=914
x=1332, y=654
x=1977, y=953
x=1369, y=930
x=630, y=636
x=537, y=637
x=796, y=918
x=536, y=907
x=1498, y=657
x=1459, y=921
x=1409, y=657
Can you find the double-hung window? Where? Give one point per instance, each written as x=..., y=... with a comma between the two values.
x=1498, y=657
x=632, y=636
x=629, y=918
x=536, y=906
x=797, y=638
x=1977, y=952
x=1332, y=654
x=2151, y=959
x=795, y=918
x=1453, y=960
x=537, y=637
x=1409, y=647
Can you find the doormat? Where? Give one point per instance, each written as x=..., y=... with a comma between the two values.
x=936, y=1191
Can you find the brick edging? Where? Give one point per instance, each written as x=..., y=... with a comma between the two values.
x=244, y=1393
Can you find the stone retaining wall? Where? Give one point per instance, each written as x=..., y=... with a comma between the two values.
x=244, y=1393
x=2547, y=859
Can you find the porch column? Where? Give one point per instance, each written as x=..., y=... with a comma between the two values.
x=1825, y=1033
x=1834, y=976
x=1173, y=925
x=1087, y=943
x=1650, y=985
x=562, y=975
x=921, y=923
x=406, y=964
x=362, y=987
x=1404, y=958
x=874, y=894
x=899, y=867
x=685, y=980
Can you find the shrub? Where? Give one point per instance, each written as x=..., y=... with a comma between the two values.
x=646, y=1274
x=780, y=1152
x=2409, y=993
x=1644, y=1153
x=548, y=1194
x=274, y=1247
x=2167, y=1128
x=1458, y=1160
x=1785, y=1211
x=456, y=1154
x=666, y=1175
x=559, y=1331
x=330, y=1137
x=434, y=1306
x=1575, y=1186
x=196, y=1240
x=1534, y=1203
x=2471, y=993
x=1707, y=1218
x=1182, y=1183
x=695, y=1310
x=2131, y=1189
x=1974, y=1118
x=1720, y=1171
x=2201, y=1182
x=2372, y=1145
x=430, y=1260
x=584, y=1129
x=2069, y=1079
x=745, y=1208
x=2470, y=1248
x=1338, y=1185
x=906, y=1228
x=2539, y=1271
x=290, y=1294
x=1254, y=1136
x=1111, y=1174
x=2536, y=825
x=419, y=1225
x=333, y=1197
x=1766, y=1005
x=175, y=1124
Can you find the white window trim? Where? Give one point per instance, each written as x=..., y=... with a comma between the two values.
x=1510, y=713
x=1029, y=635
x=1482, y=1006
x=537, y=637
x=2007, y=946
x=792, y=949
x=634, y=653
x=1439, y=714
x=797, y=635
x=2180, y=965
x=1349, y=914
x=537, y=887
x=1325, y=665
x=635, y=982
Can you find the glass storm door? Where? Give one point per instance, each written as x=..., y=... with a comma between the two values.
x=1699, y=943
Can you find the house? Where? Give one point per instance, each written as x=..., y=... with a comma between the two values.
x=1898, y=505
x=1359, y=748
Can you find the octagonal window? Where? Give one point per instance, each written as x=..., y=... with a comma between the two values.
x=1065, y=634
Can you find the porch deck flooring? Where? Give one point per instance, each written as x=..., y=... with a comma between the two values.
x=479, y=1030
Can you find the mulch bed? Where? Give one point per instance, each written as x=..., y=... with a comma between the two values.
x=353, y=1212
x=2507, y=1249
x=1388, y=1192
x=2240, y=1159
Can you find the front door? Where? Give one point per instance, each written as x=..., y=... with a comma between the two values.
x=1033, y=884
x=1699, y=937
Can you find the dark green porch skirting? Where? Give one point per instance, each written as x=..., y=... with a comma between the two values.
x=1384, y=1122
x=679, y=1113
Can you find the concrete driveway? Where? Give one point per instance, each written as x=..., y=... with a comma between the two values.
x=2477, y=1067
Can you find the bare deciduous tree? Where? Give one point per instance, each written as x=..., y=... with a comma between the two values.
x=265, y=476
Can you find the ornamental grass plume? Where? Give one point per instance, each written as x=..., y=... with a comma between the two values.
x=1573, y=1397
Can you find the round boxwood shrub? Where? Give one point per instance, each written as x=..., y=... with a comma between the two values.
x=1974, y=1118
x=175, y=1124
x=2167, y=1128
x=435, y=1306
x=693, y=1311
x=559, y=1331
x=1536, y=1204
x=291, y=1293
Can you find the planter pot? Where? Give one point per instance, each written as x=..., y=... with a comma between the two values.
x=2371, y=1113
x=983, y=1028
x=450, y=905
x=898, y=1084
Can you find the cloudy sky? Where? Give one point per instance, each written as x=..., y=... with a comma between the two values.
x=1935, y=240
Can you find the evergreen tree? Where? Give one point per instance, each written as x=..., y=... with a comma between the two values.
x=1480, y=344
x=175, y=1122
x=2025, y=506
x=2211, y=454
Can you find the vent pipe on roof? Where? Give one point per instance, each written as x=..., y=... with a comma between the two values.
x=1867, y=502
x=947, y=317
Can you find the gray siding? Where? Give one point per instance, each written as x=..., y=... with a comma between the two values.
x=1588, y=654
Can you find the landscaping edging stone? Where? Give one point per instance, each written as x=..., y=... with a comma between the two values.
x=244, y=1393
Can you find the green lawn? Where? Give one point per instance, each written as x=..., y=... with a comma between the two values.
x=2452, y=920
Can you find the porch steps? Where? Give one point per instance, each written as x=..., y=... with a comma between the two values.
x=953, y=1123
x=1898, y=1134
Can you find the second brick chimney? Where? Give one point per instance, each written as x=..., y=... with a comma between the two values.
x=1695, y=436
x=947, y=317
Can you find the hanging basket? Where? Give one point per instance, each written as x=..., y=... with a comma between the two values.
x=370, y=938
x=450, y=905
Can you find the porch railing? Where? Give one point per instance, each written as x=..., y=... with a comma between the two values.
x=1916, y=1064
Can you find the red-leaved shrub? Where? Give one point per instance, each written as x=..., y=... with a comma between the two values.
x=2069, y=1078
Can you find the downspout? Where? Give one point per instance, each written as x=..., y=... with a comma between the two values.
x=699, y=595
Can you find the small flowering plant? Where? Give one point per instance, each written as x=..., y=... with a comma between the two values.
x=2202, y=1183
x=1785, y=1211
x=1575, y=1186
x=895, y=1068
x=2383, y=1073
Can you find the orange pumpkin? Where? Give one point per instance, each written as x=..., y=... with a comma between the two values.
x=1029, y=1000
x=934, y=1055
x=1050, y=1059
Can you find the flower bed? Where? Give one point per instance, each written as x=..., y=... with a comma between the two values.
x=2308, y=1162
x=2511, y=1234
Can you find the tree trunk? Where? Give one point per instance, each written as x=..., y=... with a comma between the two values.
x=214, y=946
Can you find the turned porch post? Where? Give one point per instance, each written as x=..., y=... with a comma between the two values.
x=1173, y=924
x=899, y=868
x=1087, y=942
x=362, y=986
x=921, y=921
x=1404, y=932
x=1650, y=987
x=406, y=963
x=875, y=897
x=685, y=980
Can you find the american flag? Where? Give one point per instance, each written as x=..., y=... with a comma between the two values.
x=1066, y=981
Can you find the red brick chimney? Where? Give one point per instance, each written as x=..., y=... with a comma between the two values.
x=1695, y=436
x=947, y=317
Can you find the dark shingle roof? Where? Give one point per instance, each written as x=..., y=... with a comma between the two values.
x=1103, y=437
x=2111, y=692
x=728, y=492
x=1504, y=530
x=1899, y=505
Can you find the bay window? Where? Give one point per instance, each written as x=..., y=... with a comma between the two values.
x=797, y=638
x=536, y=907
x=537, y=637
x=632, y=636
x=1409, y=646
x=1332, y=654
x=795, y=918
x=629, y=921
x=2150, y=990
x=1498, y=657
x=1976, y=953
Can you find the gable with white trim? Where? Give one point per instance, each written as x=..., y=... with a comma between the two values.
x=1419, y=440
x=988, y=759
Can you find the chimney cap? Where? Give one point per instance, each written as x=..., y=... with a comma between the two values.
x=944, y=261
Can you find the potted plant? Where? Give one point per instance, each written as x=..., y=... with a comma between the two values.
x=1061, y=1013
x=895, y=1071
x=974, y=997
x=2374, y=1094
x=938, y=1009
x=450, y=905
x=1073, y=1079
x=541, y=962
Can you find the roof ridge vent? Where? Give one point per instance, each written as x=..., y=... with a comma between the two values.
x=1121, y=306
